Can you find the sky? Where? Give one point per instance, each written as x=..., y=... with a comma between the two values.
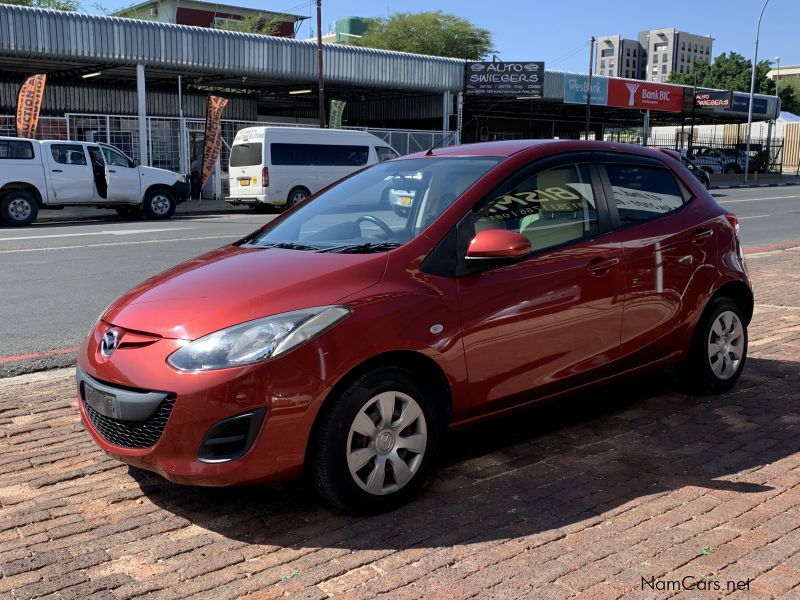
x=558, y=31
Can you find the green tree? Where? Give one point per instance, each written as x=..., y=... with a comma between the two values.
x=433, y=33
x=727, y=72
x=70, y=5
x=262, y=23
x=790, y=100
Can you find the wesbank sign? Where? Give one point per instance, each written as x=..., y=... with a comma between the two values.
x=576, y=89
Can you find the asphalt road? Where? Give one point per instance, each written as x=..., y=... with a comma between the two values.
x=56, y=278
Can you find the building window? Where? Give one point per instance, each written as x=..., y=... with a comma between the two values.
x=634, y=53
x=660, y=46
x=602, y=64
x=627, y=51
x=627, y=62
x=663, y=68
x=607, y=52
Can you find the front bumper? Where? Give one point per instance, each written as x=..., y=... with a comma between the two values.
x=190, y=407
x=181, y=190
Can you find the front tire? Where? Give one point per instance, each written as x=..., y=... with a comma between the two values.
x=375, y=443
x=719, y=348
x=18, y=208
x=159, y=204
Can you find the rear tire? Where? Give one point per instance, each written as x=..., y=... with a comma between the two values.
x=297, y=194
x=375, y=443
x=159, y=204
x=18, y=208
x=718, y=350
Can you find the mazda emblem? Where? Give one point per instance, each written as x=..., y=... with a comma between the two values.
x=109, y=342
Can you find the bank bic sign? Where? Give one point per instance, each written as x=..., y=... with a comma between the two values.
x=643, y=95
x=504, y=79
x=576, y=89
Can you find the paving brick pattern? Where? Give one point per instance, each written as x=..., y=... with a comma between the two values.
x=583, y=498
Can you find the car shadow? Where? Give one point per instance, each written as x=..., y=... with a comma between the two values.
x=541, y=469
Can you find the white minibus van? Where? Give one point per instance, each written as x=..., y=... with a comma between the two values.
x=280, y=166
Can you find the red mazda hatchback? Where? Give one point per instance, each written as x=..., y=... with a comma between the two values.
x=343, y=339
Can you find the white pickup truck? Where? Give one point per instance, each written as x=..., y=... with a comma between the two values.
x=54, y=174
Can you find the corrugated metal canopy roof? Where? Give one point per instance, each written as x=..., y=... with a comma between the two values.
x=35, y=33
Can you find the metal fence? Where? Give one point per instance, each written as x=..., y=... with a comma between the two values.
x=174, y=143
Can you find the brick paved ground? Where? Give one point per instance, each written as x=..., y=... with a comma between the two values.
x=583, y=498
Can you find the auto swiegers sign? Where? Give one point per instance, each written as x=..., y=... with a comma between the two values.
x=643, y=95
x=504, y=79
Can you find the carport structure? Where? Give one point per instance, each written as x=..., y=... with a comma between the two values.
x=128, y=69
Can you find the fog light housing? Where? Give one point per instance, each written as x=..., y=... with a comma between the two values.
x=231, y=438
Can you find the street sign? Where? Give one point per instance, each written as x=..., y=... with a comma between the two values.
x=504, y=79
x=645, y=95
x=576, y=89
x=713, y=99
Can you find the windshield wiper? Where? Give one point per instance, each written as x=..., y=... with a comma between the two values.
x=368, y=247
x=284, y=245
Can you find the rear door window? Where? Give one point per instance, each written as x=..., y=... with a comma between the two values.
x=246, y=155
x=643, y=193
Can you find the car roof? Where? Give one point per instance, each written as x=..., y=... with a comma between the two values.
x=510, y=147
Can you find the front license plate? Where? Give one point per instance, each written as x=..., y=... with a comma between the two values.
x=105, y=404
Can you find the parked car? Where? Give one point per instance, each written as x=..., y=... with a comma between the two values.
x=280, y=166
x=342, y=340
x=716, y=160
x=702, y=175
x=54, y=174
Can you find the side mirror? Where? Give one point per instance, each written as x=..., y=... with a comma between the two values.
x=493, y=244
x=136, y=162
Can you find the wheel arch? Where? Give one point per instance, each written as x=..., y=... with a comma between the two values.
x=740, y=293
x=14, y=186
x=155, y=187
x=417, y=363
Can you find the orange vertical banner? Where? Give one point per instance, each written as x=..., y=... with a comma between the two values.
x=29, y=104
x=213, y=137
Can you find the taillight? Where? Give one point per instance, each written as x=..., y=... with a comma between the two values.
x=265, y=177
x=734, y=221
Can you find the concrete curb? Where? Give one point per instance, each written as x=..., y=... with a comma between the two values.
x=53, y=216
x=754, y=185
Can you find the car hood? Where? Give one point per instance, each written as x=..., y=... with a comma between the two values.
x=233, y=285
x=156, y=172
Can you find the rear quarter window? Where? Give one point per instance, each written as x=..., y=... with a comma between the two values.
x=16, y=150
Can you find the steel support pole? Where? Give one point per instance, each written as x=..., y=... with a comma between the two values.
x=459, y=116
x=447, y=109
x=752, y=90
x=320, y=78
x=141, y=104
x=182, y=130
x=589, y=91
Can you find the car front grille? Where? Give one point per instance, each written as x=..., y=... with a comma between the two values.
x=132, y=434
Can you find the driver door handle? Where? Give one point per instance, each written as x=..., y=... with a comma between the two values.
x=57, y=170
x=599, y=266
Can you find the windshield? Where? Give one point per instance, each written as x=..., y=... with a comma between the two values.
x=381, y=207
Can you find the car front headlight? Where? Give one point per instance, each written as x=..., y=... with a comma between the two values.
x=257, y=340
